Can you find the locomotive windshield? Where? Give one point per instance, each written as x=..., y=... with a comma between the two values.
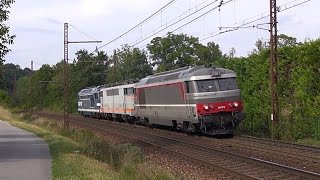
x=213, y=85
x=227, y=84
x=207, y=85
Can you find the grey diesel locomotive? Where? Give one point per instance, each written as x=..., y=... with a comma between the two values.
x=195, y=99
x=89, y=102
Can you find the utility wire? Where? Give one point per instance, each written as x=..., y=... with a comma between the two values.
x=251, y=20
x=221, y=3
x=244, y=23
x=179, y=17
x=139, y=24
x=195, y=7
x=174, y=23
x=216, y=7
x=83, y=32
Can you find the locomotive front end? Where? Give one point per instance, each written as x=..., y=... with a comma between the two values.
x=217, y=99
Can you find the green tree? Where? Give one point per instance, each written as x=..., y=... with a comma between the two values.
x=5, y=99
x=10, y=74
x=128, y=63
x=284, y=40
x=179, y=50
x=6, y=38
x=173, y=51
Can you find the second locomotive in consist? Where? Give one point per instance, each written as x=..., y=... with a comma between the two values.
x=197, y=99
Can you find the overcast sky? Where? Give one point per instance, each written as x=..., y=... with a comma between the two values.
x=38, y=24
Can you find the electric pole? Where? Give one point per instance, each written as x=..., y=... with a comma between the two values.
x=14, y=87
x=30, y=104
x=274, y=65
x=66, y=72
x=65, y=76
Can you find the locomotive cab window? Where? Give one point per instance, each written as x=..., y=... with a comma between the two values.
x=187, y=86
x=207, y=85
x=128, y=91
x=84, y=97
x=227, y=84
x=96, y=96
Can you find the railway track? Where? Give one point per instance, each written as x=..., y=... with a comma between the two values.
x=292, y=146
x=235, y=165
x=293, y=155
x=296, y=156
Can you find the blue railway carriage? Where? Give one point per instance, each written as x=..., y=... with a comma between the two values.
x=118, y=102
x=89, y=102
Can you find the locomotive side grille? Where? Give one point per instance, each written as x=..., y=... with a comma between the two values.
x=163, y=78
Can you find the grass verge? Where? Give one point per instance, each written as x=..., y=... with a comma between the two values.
x=80, y=154
x=309, y=142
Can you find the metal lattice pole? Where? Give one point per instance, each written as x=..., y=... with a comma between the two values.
x=66, y=71
x=31, y=90
x=274, y=65
x=66, y=85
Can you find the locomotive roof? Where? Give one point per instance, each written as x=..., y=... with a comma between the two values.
x=117, y=87
x=185, y=73
x=88, y=91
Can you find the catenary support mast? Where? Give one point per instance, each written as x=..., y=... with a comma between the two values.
x=274, y=65
x=66, y=71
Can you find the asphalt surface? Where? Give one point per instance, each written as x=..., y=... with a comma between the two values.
x=23, y=156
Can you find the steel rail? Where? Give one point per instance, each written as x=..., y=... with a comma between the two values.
x=271, y=165
x=191, y=158
x=283, y=143
x=259, y=162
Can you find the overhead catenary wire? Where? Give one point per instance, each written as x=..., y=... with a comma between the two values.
x=176, y=22
x=189, y=22
x=180, y=19
x=175, y=18
x=246, y=22
x=281, y=8
x=221, y=3
x=263, y=15
x=82, y=32
x=195, y=7
x=139, y=24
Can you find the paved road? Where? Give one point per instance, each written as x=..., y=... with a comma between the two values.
x=23, y=155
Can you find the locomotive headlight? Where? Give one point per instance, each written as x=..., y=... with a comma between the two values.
x=236, y=104
x=206, y=107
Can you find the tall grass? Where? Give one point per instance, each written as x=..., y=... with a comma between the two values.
x=82, y=154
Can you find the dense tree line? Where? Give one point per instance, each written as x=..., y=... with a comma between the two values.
x=299, y=78
x=299, y=87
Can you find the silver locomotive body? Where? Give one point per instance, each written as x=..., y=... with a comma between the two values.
x=199, y=99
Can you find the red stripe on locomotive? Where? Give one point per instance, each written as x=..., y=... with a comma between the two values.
x=211, y=108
